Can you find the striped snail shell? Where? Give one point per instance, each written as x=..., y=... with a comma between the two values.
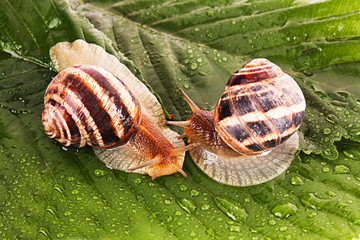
x=88, y=105
x=260, y=108
x=251, y=136
x=96, y=100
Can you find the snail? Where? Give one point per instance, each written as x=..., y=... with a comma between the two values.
x=251, y=136
x=88, y=105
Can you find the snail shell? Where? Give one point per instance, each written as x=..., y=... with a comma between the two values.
x=129, y=97
x=251, y=137
x=260, y=108
x=88, y=105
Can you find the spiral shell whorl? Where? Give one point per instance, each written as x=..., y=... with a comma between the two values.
x=89, y=105
x=254, y=71
x=260, y=108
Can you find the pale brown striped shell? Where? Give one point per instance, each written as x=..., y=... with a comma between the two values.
x=260, y=108
x=251, y=137
x=86, y=104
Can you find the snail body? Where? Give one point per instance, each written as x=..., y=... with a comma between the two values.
x=251, y=136
x=88, y=105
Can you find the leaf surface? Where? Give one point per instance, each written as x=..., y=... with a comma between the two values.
x=49, y=192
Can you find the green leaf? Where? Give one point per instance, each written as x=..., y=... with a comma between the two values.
x=51, y=192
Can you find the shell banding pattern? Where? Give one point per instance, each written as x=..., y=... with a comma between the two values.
x=88, y=105
x=260, y=108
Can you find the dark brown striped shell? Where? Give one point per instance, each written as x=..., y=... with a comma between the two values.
x=86, y=104
x=260, y=108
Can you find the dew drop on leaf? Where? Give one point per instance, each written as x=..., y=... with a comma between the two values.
x=193, y=66
x=183, y=188
x=331, y=118
x=231, y=208
x=67, y=213
x=272, y=222
x=43, y=231
x=326, y=131
x=234, y=228
x=352, y=153
x=194, y=193
x=297, y=181
x=284, y=210
x=331, y=193
x=283, y=229
x=60, y=235
x=205, y=207
x=341, y=169
x=357, y=176
x=186, y=204
x=99, y=172
x=137, y=180
x=169, y=218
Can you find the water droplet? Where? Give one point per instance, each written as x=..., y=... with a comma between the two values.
x=326, y=169
x=197, y=29
x=43, y=231
x=70, y=179
x=54, y=23
x=297, y=181
x=75, y=191
x=190, y=51
x=137, y=180
x=167, y=201
x=58, y=188
x=60, y=235
x=183, y=188
x=355, y=131
x=231, y=208
x=187, y=205
x=199, y=60
x=193, y=66
x=314, y=202
x=284, y=210
x=67, y=213
x=326, y=131
x=205, y=207
x=186, y=85
x=331, y=193
x=234, y=228
x=313, y=214
x=224, y=59
x=272, y=222
x=194, y=193
x=352, y=153
x=341, y=169
x=99, y=172
x=283, y=229
x=331, y=118
x=50, y=210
